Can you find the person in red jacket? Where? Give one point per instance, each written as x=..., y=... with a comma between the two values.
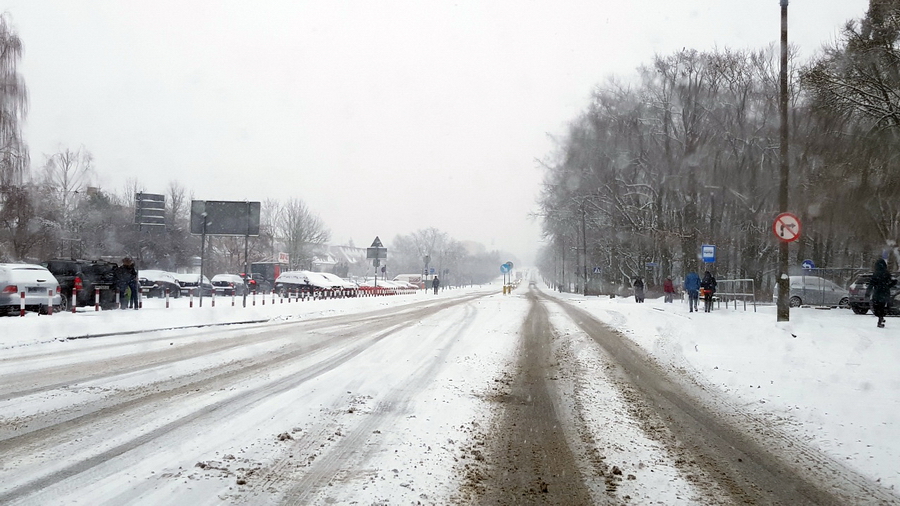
x=669, y=289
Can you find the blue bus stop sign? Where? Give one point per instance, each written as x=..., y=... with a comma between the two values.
x=708, y=253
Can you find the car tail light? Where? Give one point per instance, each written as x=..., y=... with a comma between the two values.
x=58, y=289
x=11, y=289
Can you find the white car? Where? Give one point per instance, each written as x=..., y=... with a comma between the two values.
x=338, y=281
x=37, y=283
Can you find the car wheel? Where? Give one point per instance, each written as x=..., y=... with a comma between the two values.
x=859, y=309
x=795, y=301
x=844, y=303
x=63, y=303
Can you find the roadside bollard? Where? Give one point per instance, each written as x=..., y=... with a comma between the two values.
x=22, y=303
x=191, y=299
x=212, y=302
x=167, y=298
x=273, y=296
x=254, y=297
x=97, y=298
x=74, y=300
x=232, y=297
x=50, y=303
x=118, y=305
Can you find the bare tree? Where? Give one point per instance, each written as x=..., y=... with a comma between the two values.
x=301, y=232
x=66, y=176
x=14, y=159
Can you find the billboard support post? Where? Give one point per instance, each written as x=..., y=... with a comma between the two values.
x=202, y=255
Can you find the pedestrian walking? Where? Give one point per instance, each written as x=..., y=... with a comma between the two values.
x=669, y=289
x=879, y=290
x=692, y=287
x=638, y=289
x=435, y=283
x=708, y=285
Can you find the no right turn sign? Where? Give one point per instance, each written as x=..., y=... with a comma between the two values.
x=786, y=227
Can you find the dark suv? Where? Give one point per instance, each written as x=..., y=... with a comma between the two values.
x=95, y=274
x=859, y=299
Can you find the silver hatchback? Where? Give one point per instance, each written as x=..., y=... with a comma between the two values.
x=816, y=291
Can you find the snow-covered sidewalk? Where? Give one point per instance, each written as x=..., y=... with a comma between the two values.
x=829, y=377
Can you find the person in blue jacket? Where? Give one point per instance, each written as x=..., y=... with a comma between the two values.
x=692, y=287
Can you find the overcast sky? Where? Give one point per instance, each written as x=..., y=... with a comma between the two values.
x=384, y=116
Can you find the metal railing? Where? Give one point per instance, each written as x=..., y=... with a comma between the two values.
x=734, y=290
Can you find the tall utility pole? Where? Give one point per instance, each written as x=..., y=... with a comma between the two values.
x=783, y=309
x=583, y=250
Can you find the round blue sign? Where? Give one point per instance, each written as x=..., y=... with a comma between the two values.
x=808, y=264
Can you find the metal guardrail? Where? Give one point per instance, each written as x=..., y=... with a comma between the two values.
x=734, y=290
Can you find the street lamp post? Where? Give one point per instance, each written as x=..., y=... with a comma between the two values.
x=783, y=307
x=584, y=250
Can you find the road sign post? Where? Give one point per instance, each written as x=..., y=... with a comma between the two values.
x=786, y=228
x=376, y=252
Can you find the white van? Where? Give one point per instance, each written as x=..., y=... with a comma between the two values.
x=413, y=279
x=39, y=285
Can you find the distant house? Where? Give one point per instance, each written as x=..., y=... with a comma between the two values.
x=341, y=260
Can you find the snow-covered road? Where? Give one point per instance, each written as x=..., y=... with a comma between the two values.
x=375, y=400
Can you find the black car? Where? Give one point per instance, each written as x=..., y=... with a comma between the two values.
x=859, y=299
x=95, y=275
x=189, y=285
x=156, y=283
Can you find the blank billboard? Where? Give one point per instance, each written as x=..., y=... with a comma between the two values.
x=225, y=217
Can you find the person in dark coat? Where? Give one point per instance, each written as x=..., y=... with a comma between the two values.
x=435, y=283
x=669, y=289
x=126, y=278
x=880, y=290
x=708, y=285
x=638, y=289
x=692, y=287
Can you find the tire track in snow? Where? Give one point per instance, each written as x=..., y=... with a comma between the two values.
x=351, y=451
x=750, y=471
x=47, y=437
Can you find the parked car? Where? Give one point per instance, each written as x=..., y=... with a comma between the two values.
x=859, y=299
x=190, y=284
x=154, y=283
x=39, y=285
x=290, y=281
x=815, y=291
x=338, y=281
x=229, y=284
x=303, y=280
x=94, y=275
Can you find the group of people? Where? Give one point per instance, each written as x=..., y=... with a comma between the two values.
x=878, y=291
x=126, y=279
x=693, y=285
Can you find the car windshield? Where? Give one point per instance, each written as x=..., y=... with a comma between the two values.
x=449, y=252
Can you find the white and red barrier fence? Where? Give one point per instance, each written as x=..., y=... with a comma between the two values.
x=282, y=297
